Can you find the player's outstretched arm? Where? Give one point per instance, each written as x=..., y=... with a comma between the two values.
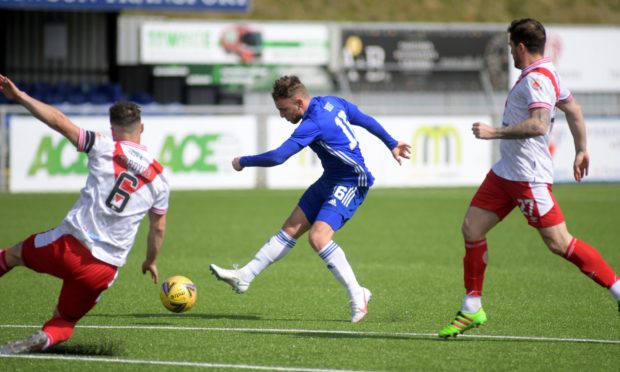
x=44, y=112
x=155, y=239
x=270, y=158
x=401, y=151
x=577, y=126
x=534, y=126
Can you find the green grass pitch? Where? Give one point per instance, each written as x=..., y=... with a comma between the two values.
x=404, y=244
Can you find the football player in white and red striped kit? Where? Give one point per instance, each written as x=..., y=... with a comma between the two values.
x=124, y=184
x=523, y=176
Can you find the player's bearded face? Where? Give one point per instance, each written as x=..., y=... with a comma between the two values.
x=289, y=109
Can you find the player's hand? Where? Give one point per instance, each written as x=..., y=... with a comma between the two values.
x=9, y=89
x=236, y=164
x=581, y=165
x=483, y=131
x=402, y=150
x=152, y=268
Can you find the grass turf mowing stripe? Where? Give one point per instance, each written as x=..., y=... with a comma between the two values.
x=339, y=332
x=173, y=363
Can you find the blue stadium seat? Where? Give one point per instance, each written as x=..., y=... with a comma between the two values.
x=39, y=90
x=141, y=98
x=64, y=90
x=115, y=90
x=77, y=97
x=77, y=94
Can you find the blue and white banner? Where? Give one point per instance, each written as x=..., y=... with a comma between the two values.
x=115, y=5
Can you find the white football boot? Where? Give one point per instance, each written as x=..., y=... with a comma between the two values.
x=232, y=277
x=359, y=305
x=34, y=343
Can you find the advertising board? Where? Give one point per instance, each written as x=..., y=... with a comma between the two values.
x=196, y=152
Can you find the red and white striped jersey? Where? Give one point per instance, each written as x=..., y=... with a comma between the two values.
x=124, y=183
x=529, y=160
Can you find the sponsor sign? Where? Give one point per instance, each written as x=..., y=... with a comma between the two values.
x=445, y=153
x=196, y=152
x=423, y=59
x=234, y=43
x=257, y=77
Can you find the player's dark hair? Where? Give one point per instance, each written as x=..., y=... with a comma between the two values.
x=288, y=87
x=125, y=114
x=530, y=32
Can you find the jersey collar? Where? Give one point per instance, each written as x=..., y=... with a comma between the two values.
x=534, y=65
x=311, y=107
x=133, y=144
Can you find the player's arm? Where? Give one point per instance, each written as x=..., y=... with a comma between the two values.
x=155, y=239
x=269, y=158
x=357, y=117
x=44, y=112
x=399, y=149
x=535, y=125
x=577, y=126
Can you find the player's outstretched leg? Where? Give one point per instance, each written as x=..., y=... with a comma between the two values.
x=4, y=266
x=464, y=322
x=232, y=277
x=34, y=343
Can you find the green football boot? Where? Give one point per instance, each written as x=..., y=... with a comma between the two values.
x=464, y=322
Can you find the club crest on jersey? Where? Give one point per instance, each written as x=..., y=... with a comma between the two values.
x=328, y=106
x=536, y=84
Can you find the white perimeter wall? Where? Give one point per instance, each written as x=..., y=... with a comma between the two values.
x=197, y=151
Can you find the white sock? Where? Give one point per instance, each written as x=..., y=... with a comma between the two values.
x=615, y=290
x=471, y=304
x=275, y=248
x=337, y=263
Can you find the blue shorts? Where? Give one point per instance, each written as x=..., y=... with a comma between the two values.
x=331, y=202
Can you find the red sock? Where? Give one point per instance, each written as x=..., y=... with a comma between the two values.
x=474, y=264
x=4, y=267
x=58, y=330
x=590, y=262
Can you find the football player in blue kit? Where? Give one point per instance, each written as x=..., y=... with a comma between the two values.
x=324, y=126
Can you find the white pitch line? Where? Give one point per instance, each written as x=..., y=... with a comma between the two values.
x=172, y=363
x=336, y=332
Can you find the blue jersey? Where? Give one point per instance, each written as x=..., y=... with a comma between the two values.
x=325, y=128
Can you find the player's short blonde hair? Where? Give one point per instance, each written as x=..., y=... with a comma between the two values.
x=288, y=87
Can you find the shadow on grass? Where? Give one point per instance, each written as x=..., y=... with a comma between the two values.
x=105, y=348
